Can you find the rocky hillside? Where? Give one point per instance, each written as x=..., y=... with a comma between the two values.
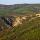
x=14, y=21
x=20, y=27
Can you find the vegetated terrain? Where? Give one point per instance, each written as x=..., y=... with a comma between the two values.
x=19, y=9
x=26, y=14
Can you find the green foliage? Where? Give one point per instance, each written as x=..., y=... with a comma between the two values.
x=17, y=10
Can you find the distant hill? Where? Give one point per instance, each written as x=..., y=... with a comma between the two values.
x=18, y=8
x=18, y=5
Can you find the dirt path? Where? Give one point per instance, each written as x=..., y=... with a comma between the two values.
x=32, y=18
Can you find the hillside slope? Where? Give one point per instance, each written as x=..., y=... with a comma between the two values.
x=20, y=22
x=29, y=30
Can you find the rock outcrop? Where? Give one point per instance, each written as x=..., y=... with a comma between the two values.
x=12, y=21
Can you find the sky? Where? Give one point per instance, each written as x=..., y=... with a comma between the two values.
x=9, y=2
